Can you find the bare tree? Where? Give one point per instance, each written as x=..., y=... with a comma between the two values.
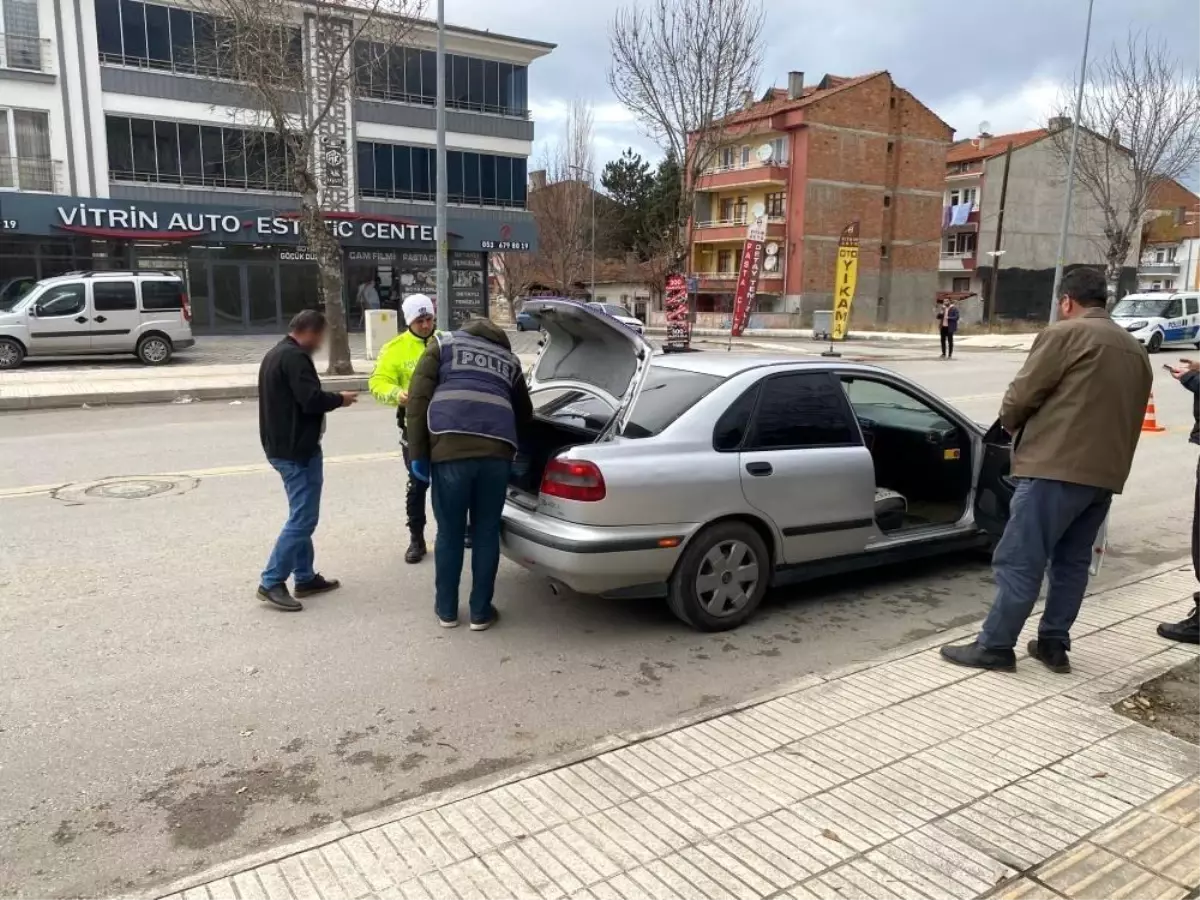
x=515, y=274
x=1143, y=111
x=562, y=207
x=301, y=64
x=682, y=67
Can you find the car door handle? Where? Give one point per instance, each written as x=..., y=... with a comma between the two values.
x=101, y=319
x=759, y=469
x=81, y=319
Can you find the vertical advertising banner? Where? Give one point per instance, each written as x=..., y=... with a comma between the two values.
x=678, y=313
x=747, y=281
x=845, y=280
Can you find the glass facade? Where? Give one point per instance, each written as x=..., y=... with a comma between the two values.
x=409, y=74
x=153, y=36
x=401, y=172
x=154, y=151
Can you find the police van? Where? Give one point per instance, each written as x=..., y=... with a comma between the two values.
x=1161, y=319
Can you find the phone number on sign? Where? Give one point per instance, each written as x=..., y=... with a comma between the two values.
x=504, y=245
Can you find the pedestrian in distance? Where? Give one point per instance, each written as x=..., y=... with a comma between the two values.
x=946, y=312
x=389, y=385
x=291, y=421
x=1188, y=631
x=466, y=406
x=1075, y=411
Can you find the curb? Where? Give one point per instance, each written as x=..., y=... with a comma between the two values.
x=405, y=808
x=245, y=391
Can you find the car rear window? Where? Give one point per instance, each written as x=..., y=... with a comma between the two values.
x=665, y=396
x=157, y=295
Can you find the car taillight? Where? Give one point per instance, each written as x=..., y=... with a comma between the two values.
x=573, y=479
x=187, y=306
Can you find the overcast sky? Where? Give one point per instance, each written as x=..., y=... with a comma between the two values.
x=1003, y=63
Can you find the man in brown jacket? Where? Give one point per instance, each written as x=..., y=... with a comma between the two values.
x=1075, y=410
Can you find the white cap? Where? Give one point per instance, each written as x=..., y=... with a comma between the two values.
x=416, y=306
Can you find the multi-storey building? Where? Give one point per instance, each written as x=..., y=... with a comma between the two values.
x=124, y=144
x=1170, y=257
x=1029, y=234
x=813, y=159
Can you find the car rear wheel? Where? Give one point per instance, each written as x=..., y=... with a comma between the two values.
x=1155, y=343
x=154, y=350
x=721, y=577
x=12, y=354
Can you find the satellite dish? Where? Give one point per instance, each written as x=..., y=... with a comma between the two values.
x=772, y=248
x=770, y=263
x=984, y=126
x=758, y=209
x=764, y=153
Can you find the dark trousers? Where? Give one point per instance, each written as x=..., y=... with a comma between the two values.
x=293, y=553
x=415, y=491
x=947, y=337
x=1054, y=523
x=463, y=488
x=1196, y=529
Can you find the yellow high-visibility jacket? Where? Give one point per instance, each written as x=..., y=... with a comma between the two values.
x=394, y=368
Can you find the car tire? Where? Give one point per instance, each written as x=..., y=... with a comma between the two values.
x=12, y=354
x=731, y=601
x=154, y=350
x=1155, y=343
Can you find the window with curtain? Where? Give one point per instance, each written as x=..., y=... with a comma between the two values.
x=22, y=40
x=25, y=161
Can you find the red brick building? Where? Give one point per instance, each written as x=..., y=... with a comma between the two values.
x=813, y=159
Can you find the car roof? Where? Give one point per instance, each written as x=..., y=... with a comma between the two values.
x=726, y=365
x=124, y=274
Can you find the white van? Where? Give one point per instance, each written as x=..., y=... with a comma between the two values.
x=86, y=313
x=1161, y=319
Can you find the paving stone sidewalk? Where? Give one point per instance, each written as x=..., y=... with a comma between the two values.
x=901, y=778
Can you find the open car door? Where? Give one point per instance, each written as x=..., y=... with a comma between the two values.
x=994, y=489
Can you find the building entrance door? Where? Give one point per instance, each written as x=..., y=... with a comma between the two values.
x=226, y=294
x=245, y=296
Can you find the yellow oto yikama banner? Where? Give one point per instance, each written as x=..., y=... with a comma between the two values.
x=845, y=279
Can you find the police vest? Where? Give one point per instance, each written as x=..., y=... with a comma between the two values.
x=474, y=391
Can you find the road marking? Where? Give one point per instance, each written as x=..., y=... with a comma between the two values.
x=218, y=472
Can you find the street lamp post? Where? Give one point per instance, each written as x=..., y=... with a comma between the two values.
x=442, y=230
x=1066, y=217
x=592, y=186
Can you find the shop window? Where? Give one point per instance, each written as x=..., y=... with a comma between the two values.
x=410, y=173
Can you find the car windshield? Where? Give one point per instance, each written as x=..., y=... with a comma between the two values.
x=665, y=396
x=1141, y=306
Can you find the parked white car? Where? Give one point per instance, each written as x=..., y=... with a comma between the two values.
x=1161, y=319
x=621, y=314
x=85, y=313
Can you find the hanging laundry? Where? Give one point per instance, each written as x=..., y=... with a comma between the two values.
x=959, y=213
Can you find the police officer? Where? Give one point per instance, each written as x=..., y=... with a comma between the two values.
x=466, y=403
x=389, y=385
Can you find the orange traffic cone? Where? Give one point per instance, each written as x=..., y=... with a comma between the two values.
x=1150, y=419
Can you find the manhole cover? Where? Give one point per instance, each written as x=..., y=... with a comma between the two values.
x=130, y=488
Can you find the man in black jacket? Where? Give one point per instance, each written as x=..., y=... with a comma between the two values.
x=1188, y=631
x=291, y=421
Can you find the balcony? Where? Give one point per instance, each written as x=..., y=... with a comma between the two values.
x=1153, y=267
x=972, y=223
x=726, y=282
x=957, y=261
x=714, y=231
x=25, y=54
x=30, y=174
x=719, y=178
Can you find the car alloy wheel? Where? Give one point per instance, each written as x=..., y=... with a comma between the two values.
x=727, y=578
x=10, y=355
x=154, y=351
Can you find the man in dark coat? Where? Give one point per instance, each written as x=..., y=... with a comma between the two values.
x=1188, y=631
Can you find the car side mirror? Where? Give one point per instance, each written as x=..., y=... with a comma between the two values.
x=996, y=435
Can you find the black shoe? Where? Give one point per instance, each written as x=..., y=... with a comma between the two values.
x=318, y=585
x=1186, y=632
x=976, y=657
x=279, y=597
x=416, y=550
x=467, y=541
x=1052, y=655
x=486, y=623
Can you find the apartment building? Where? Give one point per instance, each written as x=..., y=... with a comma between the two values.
x=1170, y=255
x=812, y=159
x=1029, y=235
x=123, y=144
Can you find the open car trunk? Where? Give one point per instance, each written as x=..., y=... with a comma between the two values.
x=540, y=443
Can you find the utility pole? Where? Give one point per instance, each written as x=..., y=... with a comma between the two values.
x=442, y=231
x=1066, y=217
x=991, y=297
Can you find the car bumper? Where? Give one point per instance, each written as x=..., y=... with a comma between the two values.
x=592, y=559
x=184, y=343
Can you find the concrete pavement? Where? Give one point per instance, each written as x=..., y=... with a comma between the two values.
x=905, y=777
x=158, y=720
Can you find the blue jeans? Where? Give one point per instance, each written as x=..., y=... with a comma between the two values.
x=293, y=553
x=462, y=488
x=1050, y=522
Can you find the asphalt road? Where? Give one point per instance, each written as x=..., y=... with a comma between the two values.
x=157, y=718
